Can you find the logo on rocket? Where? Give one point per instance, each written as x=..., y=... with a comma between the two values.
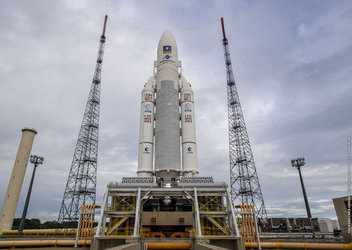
x=166, y=57
x=146, y=150
x=167, y=49
x=148, y=108
x=188, y=107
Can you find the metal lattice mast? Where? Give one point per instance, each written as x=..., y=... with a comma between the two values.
x=245, y=187
x=81, y=183
x=349, y=185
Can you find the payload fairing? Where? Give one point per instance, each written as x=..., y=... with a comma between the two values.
x=168, y=99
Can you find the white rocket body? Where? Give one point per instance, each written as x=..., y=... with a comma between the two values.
x=171, y=94
x=146, y=134
x=189, y=148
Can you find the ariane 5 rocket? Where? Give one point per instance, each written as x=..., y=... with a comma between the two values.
x=167, y=114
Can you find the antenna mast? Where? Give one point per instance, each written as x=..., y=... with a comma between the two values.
x=245, y=187
x=81, y=183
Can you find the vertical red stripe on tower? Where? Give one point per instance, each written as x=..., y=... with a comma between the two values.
x=106, y=18
x=223, y=28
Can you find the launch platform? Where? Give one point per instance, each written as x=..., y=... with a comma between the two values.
x=194, y=213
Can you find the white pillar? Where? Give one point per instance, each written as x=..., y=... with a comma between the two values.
x=16, y=179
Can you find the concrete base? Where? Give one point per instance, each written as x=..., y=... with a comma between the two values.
x=131, y=246
x=107, y=243
x=233, y=243
x=228, y=243
x=205, y=246
x=341, y=212
x=215, y=243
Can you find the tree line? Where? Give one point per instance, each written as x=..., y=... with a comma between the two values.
x=37, y=224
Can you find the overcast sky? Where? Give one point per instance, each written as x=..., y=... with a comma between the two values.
x=292, y=63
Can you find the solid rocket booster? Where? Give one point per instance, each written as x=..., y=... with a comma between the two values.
x=146, y=133
x=189, y=149
x=169, y=92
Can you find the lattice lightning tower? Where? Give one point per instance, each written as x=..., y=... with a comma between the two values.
x=81, y=183
x=245, y=187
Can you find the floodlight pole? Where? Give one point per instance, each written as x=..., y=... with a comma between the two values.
x=304, y=194
x=36, y=160
x=298, y=163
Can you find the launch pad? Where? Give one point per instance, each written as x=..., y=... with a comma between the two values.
x=167, y=203
x=195, y=211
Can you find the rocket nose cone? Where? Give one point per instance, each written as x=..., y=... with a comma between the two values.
x=167, y=48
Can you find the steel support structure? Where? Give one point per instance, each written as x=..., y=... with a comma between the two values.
x=196, y=208
x=136, y=230
x=245, y=186
x=81, y=183
x=123, y=202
